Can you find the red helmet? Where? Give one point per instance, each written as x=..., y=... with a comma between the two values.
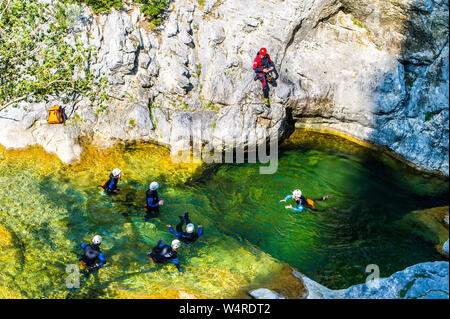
x=263, y=51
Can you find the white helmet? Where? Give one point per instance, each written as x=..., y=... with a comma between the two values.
x=154, y=186
x=190, y=228
x=97, y=240
x=297, y=193
x=116, y=172
x=176, y=244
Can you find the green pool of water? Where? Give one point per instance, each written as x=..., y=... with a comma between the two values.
x=49, y=209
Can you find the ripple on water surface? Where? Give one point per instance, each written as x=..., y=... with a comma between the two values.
x=48, y=209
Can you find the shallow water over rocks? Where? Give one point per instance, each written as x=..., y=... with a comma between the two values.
x=47, y=209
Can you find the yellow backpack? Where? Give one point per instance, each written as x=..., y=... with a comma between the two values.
x=55, y=115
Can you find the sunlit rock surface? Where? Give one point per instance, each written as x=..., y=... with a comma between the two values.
x=428, y=280
x=374, y=70
x=264, y=293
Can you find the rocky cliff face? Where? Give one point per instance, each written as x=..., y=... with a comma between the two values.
x=377, y=70
x=422, y=281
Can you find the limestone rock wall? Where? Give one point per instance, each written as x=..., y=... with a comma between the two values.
x=377, y=70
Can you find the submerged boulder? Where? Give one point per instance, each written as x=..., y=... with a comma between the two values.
x=428, y=224
x=264, y=293
x=282, y=284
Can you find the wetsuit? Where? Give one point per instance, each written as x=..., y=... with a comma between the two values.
x=91, y=253
x=111, y=185
x=259, y=64
x=303, y=202
x=185, y=237
x=152, y=204
x=163, y=253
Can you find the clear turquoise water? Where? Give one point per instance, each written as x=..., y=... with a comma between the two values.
x=50, y=209
x=371, y=191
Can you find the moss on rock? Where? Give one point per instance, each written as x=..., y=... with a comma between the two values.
x=428, y=224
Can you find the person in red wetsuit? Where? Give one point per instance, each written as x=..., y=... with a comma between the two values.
x=263, y=67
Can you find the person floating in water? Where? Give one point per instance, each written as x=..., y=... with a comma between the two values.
x=92, y=252
x=152, y=201
x=163, y=253
x=263, y=67
x=189, y=236
x=303, y=202
x=110, y=186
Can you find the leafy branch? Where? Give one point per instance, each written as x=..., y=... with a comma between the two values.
x=37, y=60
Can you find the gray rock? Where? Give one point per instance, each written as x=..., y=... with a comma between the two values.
x=116, y=79
x=139, y=121
x=283, y=90
x=207, y=7
x=217, y=34
x=153, y=70
x=252, y=22
x=186, y=39
x=421, y=281
x=131, y=44
x=135, y=16
x=128, y=63
x=264, y=293
x=13, y=135
x=60, y=140
x=186, y=27
x=445, y=249
x=144, y=60
x=29, y=119
x=163, y=127
x=258, y=109
x=144, y=79
x=172, y=28
x=114, y=35
x=381, y=83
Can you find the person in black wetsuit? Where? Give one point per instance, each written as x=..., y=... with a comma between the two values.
x=189, y=236
x=110, y=186
x=163, y=253
x=92, y=252
x=152, y=201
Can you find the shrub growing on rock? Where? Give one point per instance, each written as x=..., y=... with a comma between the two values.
x=99, y=6
x=36, y=58
x=152, y=9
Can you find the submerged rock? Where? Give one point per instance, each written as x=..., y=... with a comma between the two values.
x=282, y=284
x=264, y=293
x=428, y=224
x=165, y=293
x=422, y=281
